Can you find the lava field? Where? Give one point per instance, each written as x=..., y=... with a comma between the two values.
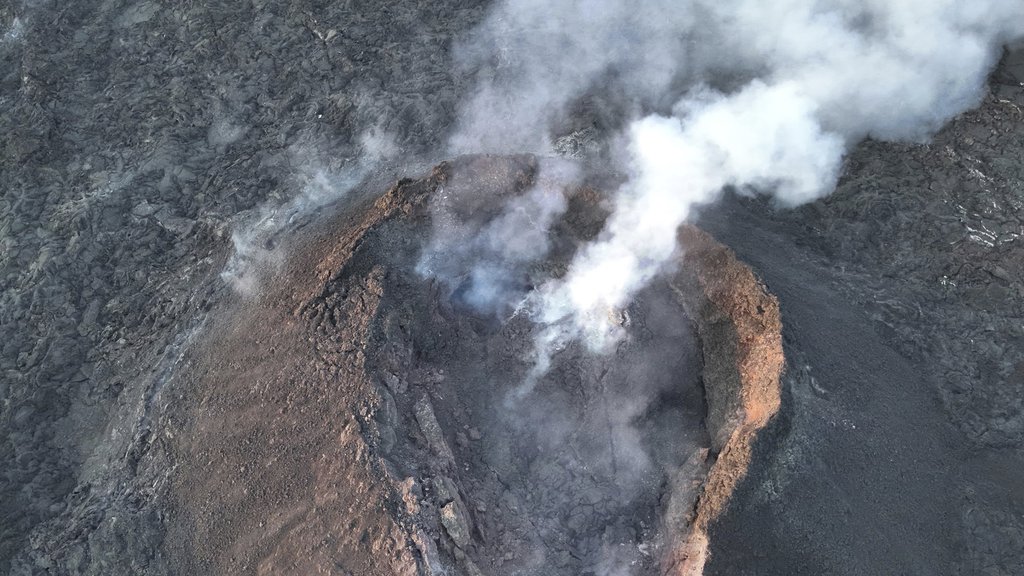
x=290, y=288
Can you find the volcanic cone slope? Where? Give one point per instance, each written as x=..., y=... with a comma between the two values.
x=358, y=417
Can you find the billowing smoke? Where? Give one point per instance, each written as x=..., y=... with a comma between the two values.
x=763, y=138
x=758, y=97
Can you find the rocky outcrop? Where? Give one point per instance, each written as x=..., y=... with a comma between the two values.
x=741, y=339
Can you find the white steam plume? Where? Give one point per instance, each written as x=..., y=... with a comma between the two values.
x=535, y=58
x=486, y=260
x=763, y=138
x=798, y=82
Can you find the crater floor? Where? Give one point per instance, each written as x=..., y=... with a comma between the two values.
x=359, y=417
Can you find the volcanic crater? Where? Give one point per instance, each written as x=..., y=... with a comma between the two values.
x=358, y=417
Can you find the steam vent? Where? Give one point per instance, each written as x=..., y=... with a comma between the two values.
x=361, y=418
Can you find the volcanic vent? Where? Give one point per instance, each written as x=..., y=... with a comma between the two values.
x=359, y=417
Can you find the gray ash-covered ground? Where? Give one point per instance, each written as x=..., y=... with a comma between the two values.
x=138, y=135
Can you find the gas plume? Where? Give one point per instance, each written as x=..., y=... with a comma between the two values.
x=760, y=98
x=485, y=258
